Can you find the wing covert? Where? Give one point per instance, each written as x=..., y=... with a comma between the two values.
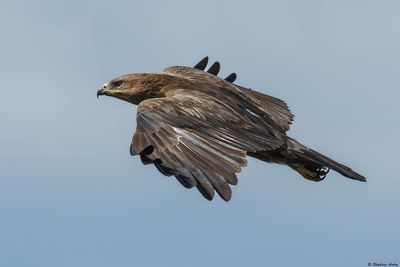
x=273, y=109
x=199, y=140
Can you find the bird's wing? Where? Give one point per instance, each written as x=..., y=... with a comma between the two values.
x=273, y=109
x=198, y=139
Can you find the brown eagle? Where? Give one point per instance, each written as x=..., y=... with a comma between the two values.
x=199, y=128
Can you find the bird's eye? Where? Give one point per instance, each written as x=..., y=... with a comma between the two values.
x=116, y=84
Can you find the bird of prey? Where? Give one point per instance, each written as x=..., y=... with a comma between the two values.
x=200, y=128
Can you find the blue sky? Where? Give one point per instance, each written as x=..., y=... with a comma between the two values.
x=71, y=195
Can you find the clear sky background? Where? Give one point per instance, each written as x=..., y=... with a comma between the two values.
x=71, y=195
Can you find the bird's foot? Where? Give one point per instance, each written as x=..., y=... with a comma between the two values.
x=322, y=172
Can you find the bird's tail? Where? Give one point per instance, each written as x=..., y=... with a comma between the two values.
x=309, y=163
x=313, y=165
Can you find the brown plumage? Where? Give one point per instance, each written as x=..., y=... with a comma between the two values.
x=199, y=128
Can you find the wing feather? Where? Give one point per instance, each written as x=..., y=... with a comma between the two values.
x=202, y=64
x=199, y=140
x=214, y=69
x=275, y=111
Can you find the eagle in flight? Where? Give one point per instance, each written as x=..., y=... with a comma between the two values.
x=200, y=128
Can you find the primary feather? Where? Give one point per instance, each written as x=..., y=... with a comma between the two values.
x=199, y=128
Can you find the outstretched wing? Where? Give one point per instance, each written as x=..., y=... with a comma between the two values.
x=272, y=108
x=198, y=139
x=214, y=69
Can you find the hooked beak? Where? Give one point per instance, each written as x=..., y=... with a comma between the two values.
x=101, y=91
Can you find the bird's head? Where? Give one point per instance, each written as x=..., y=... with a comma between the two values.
x=133, y=88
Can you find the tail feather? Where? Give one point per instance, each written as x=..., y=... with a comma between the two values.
x=314, y=161
x=323, y=161
x=309, y=163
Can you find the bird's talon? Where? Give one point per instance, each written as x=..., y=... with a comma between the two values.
x=322, y=172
